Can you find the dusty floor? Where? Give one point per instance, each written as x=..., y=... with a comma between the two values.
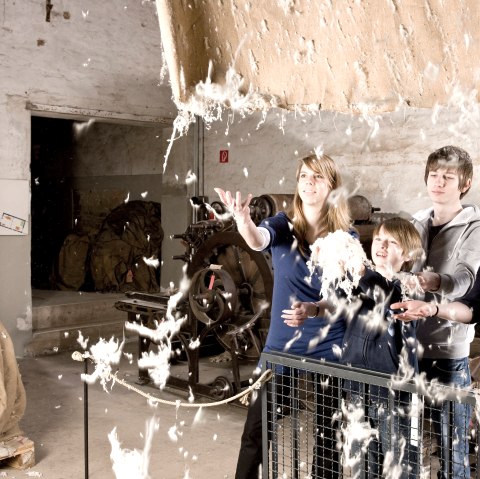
x=184, y=446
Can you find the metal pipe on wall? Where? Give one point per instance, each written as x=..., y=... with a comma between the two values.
x=198, y=162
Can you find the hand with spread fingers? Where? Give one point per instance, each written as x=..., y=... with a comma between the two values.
x=240, y=209
x=412, y=310
x=241, y=214
x=461, y=310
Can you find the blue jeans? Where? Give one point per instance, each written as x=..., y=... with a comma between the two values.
x=394, y=436
x=393, y=427
x=453, y=433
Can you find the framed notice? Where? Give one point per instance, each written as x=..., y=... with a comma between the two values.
x=14, y=207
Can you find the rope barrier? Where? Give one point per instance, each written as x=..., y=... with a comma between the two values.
x=263, y=378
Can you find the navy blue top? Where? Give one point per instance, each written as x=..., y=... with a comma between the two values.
x=378, y=348
x=292, y=282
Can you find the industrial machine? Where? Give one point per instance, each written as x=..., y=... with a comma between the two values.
x=230, y=290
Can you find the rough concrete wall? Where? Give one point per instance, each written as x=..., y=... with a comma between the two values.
x=382, y=157
x=176, y=211
x=91, y=56
x=15, y=293
x=112, y=149
x=344, y=55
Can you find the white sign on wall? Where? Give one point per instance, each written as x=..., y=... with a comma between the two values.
x=14, y=207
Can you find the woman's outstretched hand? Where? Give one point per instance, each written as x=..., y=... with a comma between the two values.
x=240, y=209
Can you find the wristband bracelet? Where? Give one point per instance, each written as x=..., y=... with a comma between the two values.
x=436, y=312
x=317, y=311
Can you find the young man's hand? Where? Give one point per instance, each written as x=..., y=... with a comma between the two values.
x=429, y=281
x=412, y=310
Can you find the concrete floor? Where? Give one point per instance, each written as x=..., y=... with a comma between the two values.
x=183, y=447
x=202, y=447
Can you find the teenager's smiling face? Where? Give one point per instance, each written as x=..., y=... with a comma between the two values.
x=387, y=254
x=443, y=186
x=313, y=188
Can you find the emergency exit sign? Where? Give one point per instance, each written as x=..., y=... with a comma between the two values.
x=223, y=156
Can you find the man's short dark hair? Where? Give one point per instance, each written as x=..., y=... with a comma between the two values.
x=452, y=158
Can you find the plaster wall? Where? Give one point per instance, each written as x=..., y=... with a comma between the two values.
x=382, y=157
x=100, y=59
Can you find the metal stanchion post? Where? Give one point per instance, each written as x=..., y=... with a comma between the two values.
x=85, y=417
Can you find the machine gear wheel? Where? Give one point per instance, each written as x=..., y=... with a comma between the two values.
x=239, y=271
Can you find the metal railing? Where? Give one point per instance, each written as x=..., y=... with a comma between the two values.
x=324, y=420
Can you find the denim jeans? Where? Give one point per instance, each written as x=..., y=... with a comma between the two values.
x=393, y=438
x=453, y=441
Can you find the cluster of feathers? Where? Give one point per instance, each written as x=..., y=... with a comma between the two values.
x=341, y=259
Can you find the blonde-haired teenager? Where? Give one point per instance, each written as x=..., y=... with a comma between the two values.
x=374, y=340
x=317, y=210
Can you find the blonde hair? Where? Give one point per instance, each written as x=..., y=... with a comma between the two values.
x=337, y=214
x=407, y=236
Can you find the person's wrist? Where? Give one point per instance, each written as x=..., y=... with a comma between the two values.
x=317, y=311
x=438, y=283
x=241, y=219
x=435, y=310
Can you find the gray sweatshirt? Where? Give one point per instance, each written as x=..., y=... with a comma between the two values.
x=455, y=255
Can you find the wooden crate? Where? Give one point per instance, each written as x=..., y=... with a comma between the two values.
x=17, y=452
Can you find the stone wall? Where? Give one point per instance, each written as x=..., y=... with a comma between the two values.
x=100, y=59
x=382, y=156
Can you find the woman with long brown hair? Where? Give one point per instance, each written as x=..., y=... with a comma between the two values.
x=319, y=208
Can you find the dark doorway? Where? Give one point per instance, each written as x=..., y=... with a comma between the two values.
x=51, y=203
x=82, y=173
